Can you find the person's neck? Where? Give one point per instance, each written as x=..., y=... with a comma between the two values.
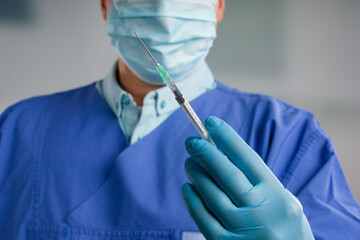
x=132, y=84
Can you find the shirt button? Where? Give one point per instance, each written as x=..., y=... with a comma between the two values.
x=162, y=104
x=125, y=100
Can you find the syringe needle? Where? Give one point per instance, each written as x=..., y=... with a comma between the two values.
x=146, y=49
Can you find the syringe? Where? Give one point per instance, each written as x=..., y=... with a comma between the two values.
x=184, y=104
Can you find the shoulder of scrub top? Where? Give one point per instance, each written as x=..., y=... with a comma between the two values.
x=35, y=105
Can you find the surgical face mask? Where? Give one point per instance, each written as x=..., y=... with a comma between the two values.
x=179, y=33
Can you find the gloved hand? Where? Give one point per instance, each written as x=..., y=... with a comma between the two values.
x=234, y=195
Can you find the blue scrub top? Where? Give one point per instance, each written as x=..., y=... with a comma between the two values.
x=68, y=172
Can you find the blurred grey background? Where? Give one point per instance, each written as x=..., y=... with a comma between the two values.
x=305, y=52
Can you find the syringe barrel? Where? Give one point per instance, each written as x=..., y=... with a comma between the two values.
x=190, y=113
x=194, y=119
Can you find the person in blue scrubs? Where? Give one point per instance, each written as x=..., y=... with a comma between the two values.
x=106, y=161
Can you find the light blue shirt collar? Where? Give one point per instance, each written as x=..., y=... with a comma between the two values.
x=157, y=104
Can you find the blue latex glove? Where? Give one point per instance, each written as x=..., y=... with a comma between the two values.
x=236, y=196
